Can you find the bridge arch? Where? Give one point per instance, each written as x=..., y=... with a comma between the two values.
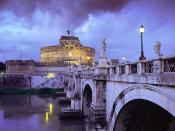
x=87, y=99
x=88, y=94
x=148, y=94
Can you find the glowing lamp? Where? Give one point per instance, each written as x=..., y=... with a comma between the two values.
x=141, y=29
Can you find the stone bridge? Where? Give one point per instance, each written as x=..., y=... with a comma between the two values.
x=136, y=96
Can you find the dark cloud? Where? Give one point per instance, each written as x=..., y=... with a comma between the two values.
x=74, y=11
x=115, y=20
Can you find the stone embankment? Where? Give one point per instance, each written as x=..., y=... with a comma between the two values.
x=15, y=81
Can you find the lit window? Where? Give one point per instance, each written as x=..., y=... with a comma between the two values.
x=51, y=75
x=88, y=57
x=70, y=54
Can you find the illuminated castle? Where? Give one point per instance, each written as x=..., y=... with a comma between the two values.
x=68, y=51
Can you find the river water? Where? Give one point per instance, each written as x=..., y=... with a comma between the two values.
x=34, y=113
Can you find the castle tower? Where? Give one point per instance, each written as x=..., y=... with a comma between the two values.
x=68, y=51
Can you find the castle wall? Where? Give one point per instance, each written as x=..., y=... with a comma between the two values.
x=24, y=67
x=19, y=66
x=46, y=70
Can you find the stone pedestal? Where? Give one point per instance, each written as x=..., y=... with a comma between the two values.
x=140, y=67
x=102, y=67
x=103, y=62
x=100, y=71
x=127, y=69
x=158, y=66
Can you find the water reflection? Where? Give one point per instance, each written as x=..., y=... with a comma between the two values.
x=50, y=108
x=47, y=117
x=32, y=113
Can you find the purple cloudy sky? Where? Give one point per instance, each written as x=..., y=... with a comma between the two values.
x=28, y=25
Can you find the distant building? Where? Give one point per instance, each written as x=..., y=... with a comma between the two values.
x=2, y=67
x=54, y=59
x=68, y=51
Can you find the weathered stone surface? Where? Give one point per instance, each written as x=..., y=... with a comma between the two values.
x=113, y=87
x=15, y=81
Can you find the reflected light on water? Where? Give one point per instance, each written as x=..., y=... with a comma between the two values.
x=47, y=116
x=49, y=113
x=34, y=113
x=50, y=108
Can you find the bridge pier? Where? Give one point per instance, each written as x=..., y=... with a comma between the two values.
x=97, y=112
x=76, y=100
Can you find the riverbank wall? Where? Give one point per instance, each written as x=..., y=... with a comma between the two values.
x=31, y=80
x=15, y=81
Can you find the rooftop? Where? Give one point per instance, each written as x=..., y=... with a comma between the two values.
x=69, y=38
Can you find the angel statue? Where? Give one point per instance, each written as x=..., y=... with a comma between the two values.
x=103, y=48
x=157, y=49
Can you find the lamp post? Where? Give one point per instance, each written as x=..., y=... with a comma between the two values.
x=141, y=30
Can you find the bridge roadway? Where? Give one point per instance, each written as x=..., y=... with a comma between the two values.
x=136, y=96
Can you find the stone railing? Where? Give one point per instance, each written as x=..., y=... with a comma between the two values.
x=154, y=66
x=133, y=68
x=169, y=64
x=149, y=66
x=157, y=71
x=86, y=72
x=81, y=72
x=143, y=67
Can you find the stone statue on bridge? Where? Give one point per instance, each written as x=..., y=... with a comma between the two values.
x=103, y=58
x=103, y=48
x=157, y=49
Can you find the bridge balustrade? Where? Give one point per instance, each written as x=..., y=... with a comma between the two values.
x=133, y=68
x=113, y=70
x=169, y=65
x=122, y=69
x=148, y=66
x=86, y=72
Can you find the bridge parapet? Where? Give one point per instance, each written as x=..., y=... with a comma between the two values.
x=146, y=66
x=157, y=71
x=86, y=72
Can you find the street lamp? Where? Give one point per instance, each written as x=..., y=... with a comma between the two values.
x=123, y=60
x=141, y=30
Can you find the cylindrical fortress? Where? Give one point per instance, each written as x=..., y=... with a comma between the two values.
x=69, y=51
